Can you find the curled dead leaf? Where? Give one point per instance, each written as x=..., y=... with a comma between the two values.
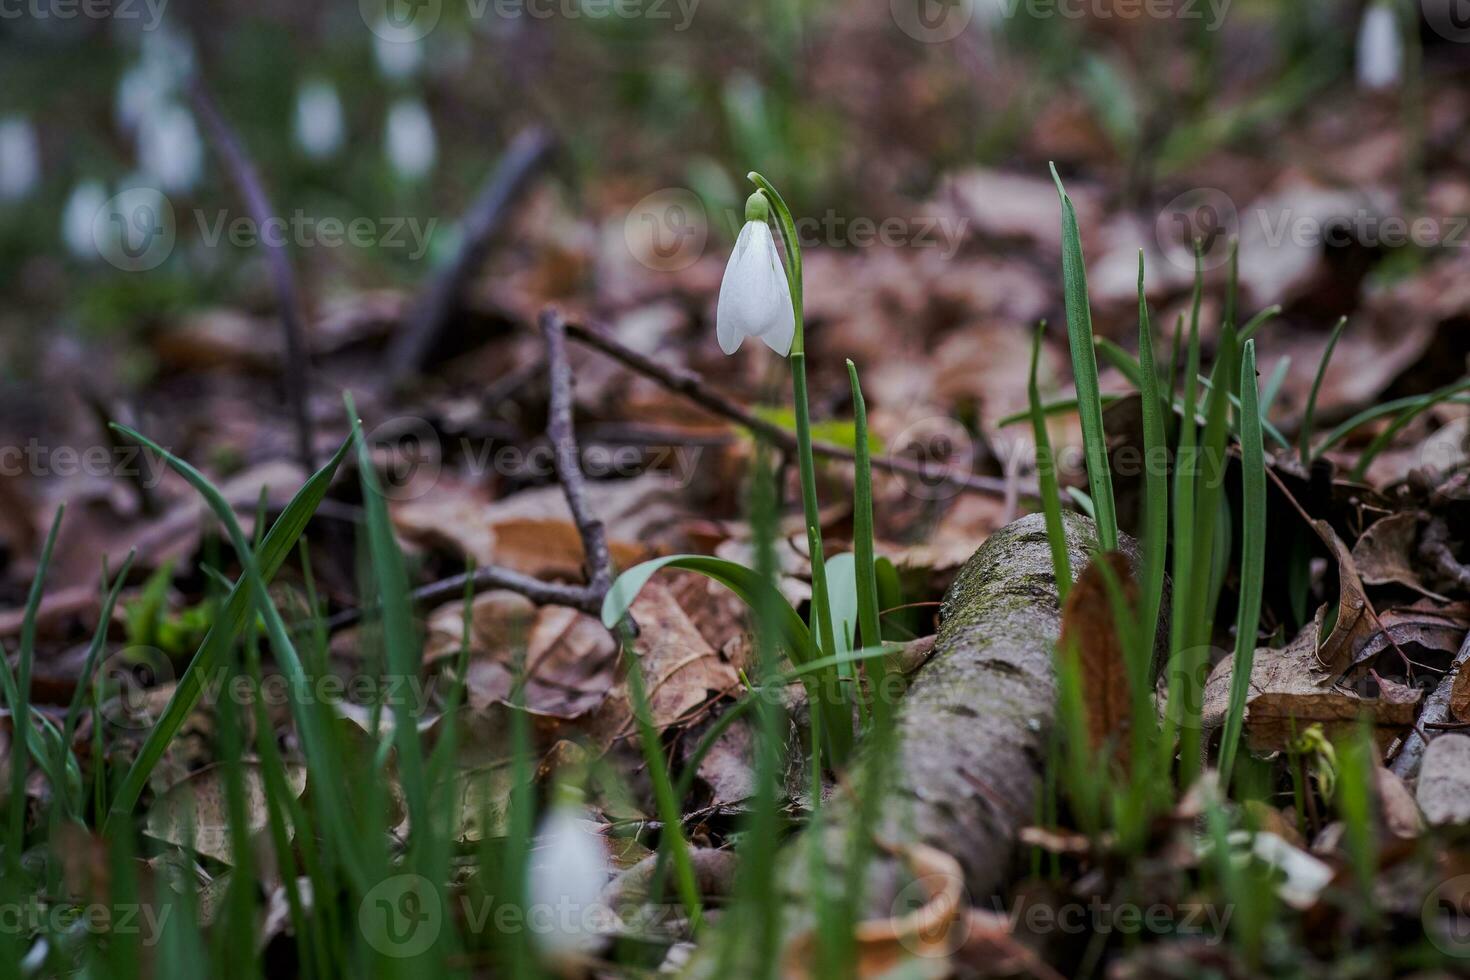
x=193, y=812
x=1384, y=554
x=927, y=935
x=1089, y=633
x=1288, y=693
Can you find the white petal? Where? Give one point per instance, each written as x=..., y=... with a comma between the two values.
x=319, y=126
x=755, y=300
x=568, y=873
x=20, y=158
x=409, y=140
x=1380, y=48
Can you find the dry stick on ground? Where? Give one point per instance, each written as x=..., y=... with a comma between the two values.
x=433, y=310
x=1436, y=712
x=692, y=386
x=257, y=205
x=566, y=456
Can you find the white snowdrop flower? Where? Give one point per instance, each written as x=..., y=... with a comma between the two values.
x=1305, y=875
x=139, y=93
x=165, y=60
x=409, y=139
x=568, y=873
x=80, y=215
x=1380, y=48
x=397, y=49
x=20, y=158
x=319, y=126
x=755, y=298
x=169, y=149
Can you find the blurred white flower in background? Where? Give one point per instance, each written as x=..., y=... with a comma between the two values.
x=319, y=126
x=165, y=61
x=568, y=873
x=409, y=139
x=1380, y=47
x=20, y=158
x=398, y=50
x=169, y=149
x=79, y=216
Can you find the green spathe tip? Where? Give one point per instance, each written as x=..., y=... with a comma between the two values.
x=757, y=208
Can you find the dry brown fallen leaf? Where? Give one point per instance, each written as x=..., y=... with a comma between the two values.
x=1396, y=807
x=1089, y=633
x=193, y=812
x=681, y=671
x=1354, y=625
x=1288, y=692
x=1460, y=695
x=569, y=656
x=1443, y=790
x=1384, y=554
x=532, y=531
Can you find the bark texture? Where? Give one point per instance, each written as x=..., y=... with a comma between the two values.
x=973, y=728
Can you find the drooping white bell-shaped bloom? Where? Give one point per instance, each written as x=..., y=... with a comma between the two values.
x=397, y=49
x=319, y=126
x=170, y=151
x=1380, y=47
x=79, y=217
x=569, y=870
x=755, y=298
x=20, y=158
x=409, y=140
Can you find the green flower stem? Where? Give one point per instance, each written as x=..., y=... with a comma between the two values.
x=839, y=737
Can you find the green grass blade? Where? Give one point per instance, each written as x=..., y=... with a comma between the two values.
x=1409, y=413
x=1272, y=387
x=1156, y=474
x=1257, y=322
x=1310, y=414
x=1046, y=476
x=248, y=592
x=18, y=696
x=869, y=628
x=744, y=582
x=400, y=639
x=94, y=651
x=1059, y=407
x=1345, y=429
x=1084, y=370
x=1252, y=560
x=1181, y=667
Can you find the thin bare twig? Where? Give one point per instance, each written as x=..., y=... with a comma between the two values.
x=692, y=386
x=247, y=182
x=566, y=460
x=438, y=304
x=567, y=455
x=1436, y=712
